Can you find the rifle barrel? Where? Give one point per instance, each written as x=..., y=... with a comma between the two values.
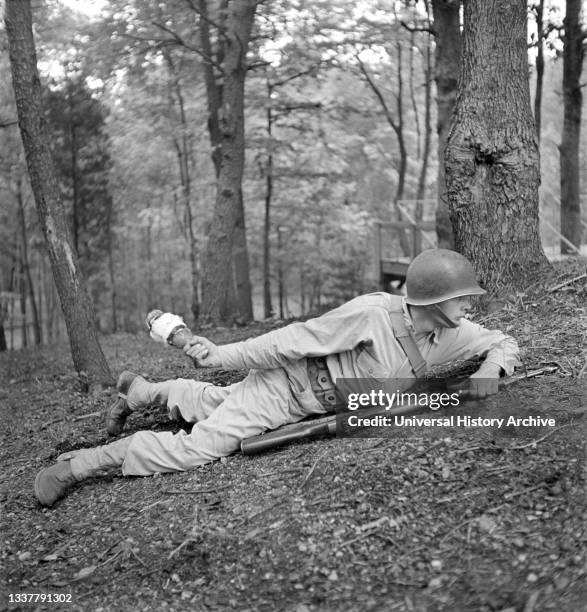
x=327, y=425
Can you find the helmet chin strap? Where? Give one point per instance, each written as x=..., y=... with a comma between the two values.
x=442, y=316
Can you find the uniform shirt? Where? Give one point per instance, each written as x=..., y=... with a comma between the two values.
x=358, y=341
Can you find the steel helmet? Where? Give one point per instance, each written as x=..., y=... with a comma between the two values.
x=437, y=275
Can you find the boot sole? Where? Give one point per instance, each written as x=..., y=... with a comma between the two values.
x=37, y=489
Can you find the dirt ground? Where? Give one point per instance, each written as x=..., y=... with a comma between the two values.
x=469, y=520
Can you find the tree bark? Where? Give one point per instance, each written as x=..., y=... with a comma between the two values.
x=224, y=274
x=447, y=65
x=421, y=192
x=26, y=267
x=573, y=53
x=77, y=307
x=539, y=67
x=185, y=163
x=492, y=161
x=397, y=125
x=267, y=305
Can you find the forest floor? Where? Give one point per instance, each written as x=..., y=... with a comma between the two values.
x=471, y=520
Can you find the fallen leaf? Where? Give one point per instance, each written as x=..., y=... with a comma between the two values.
x=487, y=524
x=85, y=572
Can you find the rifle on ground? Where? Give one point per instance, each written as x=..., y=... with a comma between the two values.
x=327, y=426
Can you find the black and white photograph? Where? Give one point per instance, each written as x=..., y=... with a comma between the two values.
x=293, y=305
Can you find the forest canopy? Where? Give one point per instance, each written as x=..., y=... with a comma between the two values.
x=340, y=126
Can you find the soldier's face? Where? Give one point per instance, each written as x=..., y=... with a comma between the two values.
x=456, y=308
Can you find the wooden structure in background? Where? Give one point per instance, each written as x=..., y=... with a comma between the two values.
x=392, y=269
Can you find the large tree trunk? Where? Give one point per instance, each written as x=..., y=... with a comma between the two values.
x=227, y=228
x=492, y=162
x=77, y=307
x=447, y=65
x=237, y=301
x=573, y=53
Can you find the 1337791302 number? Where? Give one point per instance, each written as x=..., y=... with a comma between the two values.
x=39, y=597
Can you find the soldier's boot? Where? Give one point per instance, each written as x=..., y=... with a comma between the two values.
x=133, y=392
x=54, y=482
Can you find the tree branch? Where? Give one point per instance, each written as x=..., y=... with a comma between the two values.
x=379, y=95
x=180, y=41
x=297, y=75
x=259, y=64
x=409, y=28
x=218, y=26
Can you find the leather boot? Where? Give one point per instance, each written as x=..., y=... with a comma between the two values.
x=119, y=411
x=133, y=392
x=53, y=483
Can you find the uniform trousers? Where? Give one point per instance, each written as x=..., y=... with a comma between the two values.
x=222, y=417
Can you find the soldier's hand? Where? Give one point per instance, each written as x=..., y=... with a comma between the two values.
x=204, y=353
x=485, y=381
x=482, y=387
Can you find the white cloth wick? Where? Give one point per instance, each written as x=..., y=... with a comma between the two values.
x=163, y=325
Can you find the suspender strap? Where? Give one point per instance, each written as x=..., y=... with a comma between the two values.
x=408, y=344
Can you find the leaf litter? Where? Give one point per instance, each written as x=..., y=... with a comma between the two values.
x=468, y=522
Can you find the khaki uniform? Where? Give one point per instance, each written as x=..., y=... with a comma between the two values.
x=357, y=340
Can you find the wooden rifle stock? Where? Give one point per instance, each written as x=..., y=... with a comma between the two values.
x=327, y=425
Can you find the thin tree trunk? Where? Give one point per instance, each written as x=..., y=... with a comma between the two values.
x=403, y=155
x=212, y=79
x=573, y=53
x=77, y=307
x=75, y=201
x=26, y=268
x=447, y=66
x=227, y=231
x=3, y=311
x=397, y=126
x=539, y=68
x=111, y=273
x=492, y=162
x=421, y=192
x=22, y=299
x=413, y=95
x=185, y=161
x=267, y=306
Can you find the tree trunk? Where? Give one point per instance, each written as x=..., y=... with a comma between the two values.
x=110, y=256
x=227, y=228
x=267, y=305
x=73, y=151
x=185, y=162
x=492, y=162
x=77, y=307
x=241, y=310
x=22, y=300
x=539, y=67
x=3, y=345
x=26, y=267
x=397, y=125
x=421, y=192
x=573, y=53
x=447, y=65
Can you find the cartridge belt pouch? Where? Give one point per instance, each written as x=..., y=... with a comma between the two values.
x=321, y=382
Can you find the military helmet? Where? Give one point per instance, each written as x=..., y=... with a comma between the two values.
x=437, y=275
